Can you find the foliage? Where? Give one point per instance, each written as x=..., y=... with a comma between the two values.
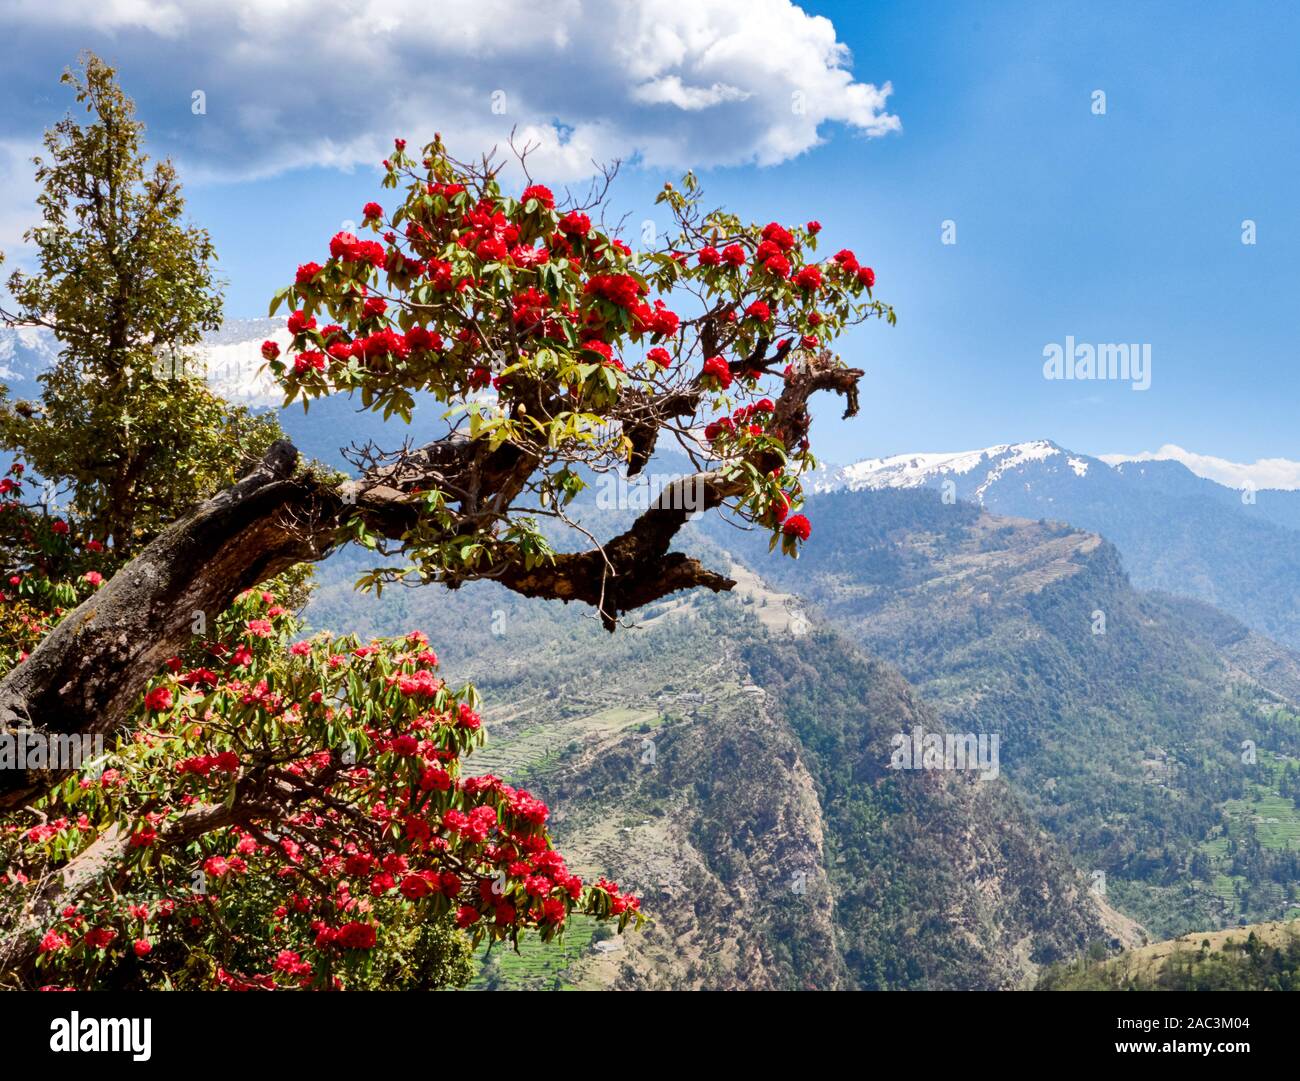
x=46, y=569
x=1246, y=964
x=1126, y=746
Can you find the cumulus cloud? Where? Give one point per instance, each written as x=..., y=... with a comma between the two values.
x=1263, y=473
x=290, y=83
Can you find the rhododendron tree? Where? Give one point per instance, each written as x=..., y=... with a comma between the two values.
x=285, y=815
x=558, y=352
x=279, y=814
x=46, y=568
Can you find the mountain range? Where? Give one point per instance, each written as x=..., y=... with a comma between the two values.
x=1238, y=550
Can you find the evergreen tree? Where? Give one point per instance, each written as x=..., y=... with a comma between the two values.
x=123, y=425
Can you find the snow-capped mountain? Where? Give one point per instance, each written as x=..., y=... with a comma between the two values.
x=1238, y=549
x=230, y=358
x=972, y=472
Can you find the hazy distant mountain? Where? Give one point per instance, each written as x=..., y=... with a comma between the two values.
x=1175, y=531
x=231, y=359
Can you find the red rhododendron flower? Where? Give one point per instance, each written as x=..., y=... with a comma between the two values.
x=414, y=887
x=620, y=289
x=778, y=235
x=797, y=526
x=99, y=938
x=355, y=936
x=53, y=940
x=341, y=244
x=143, y=838
x=539, y=192
x=575, y=223
x=718, y=369
x=309, y=361
x=358, y=865
x=523, y=256
x=434, y=778
x=298, y=322
x=159, y=698
x=808, y=278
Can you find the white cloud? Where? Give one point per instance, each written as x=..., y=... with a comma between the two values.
x=19, y=185
x=666, y=83
x=1262, y=473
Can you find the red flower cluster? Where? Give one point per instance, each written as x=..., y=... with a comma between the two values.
x=717, y=369
x=373, y=844
x=541, y=193
x=797, y=526
x=621, y=290
x=348, y=249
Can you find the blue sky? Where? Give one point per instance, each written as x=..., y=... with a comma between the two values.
x=1122, y=227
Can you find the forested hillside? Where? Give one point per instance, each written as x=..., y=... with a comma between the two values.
x=1258, y=957
x=1124, y=716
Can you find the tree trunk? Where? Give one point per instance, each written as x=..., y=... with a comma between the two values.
x=88, y=673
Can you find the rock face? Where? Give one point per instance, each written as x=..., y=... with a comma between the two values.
x=731, y=858
x=939, y=878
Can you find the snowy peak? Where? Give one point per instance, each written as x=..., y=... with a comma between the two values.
x=972, y=473
x=230, y=359
x=25, y=351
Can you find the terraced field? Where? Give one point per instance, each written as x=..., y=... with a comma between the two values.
x=1274, y=821
x=538, y=966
